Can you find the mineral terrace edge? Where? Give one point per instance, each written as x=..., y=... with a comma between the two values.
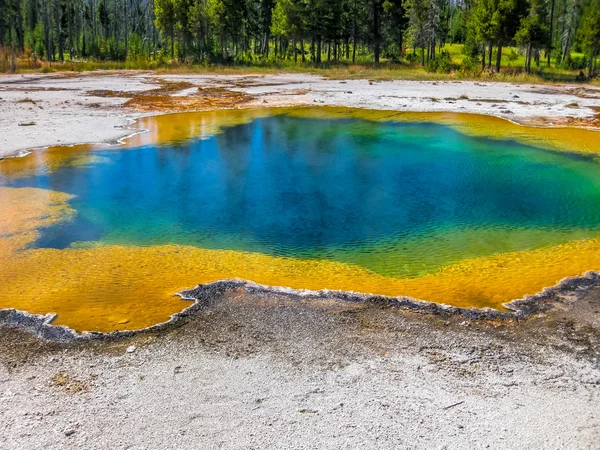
x=202, y=295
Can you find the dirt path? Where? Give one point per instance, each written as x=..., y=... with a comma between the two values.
x=63, y=109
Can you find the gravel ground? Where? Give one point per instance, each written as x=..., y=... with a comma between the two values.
x=256, y=371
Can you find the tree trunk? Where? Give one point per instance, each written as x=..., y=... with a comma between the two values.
x=491, y=49
x=319, y=43
x=402, y=48
x=47, y=33
x=2, y=31
x=354, y=35
x=267, y=32
x=116, y=31
x=61, y=44
x=483, y=57
x=499, y=58
x=335, y=50
x=154, y=42
x=93, y=14
x=567, y=42
x=13, y=59
x=302, y=49
x=126, y=28
x=295, y=51
x=376, y=36
x=551, y=32
x=562, y=33
x=172, y=41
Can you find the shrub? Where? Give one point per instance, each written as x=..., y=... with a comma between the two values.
x=412, y=58
x=441, y=64
x=471, y=65
x=513, y=55
x=574, y=63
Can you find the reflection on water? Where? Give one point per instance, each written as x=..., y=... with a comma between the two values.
x=387, y=204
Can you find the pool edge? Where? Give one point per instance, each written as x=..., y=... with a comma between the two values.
x=568, y=290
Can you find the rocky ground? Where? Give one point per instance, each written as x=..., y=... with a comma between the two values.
x=269, y=371
x=61, y=109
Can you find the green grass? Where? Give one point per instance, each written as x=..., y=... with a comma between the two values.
x=512, y=70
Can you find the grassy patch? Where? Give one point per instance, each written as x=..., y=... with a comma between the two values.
x=512, y=68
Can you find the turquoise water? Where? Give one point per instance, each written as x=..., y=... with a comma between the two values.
x=399, y=199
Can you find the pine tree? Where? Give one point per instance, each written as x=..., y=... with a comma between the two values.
x=533, y=33
x=165, y=12
x=589, y=33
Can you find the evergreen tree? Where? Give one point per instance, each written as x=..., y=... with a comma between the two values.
x=337, y=30
x=533, y=33
x=589, y=33
x=166, y=20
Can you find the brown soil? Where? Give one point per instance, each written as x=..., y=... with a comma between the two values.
x=579, y=122
x=163, y=98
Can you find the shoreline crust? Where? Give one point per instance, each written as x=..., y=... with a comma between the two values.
x=566, y=292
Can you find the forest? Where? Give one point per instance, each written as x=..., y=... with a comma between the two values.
x=438, y=35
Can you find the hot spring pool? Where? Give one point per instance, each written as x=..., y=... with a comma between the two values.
x=105, y=236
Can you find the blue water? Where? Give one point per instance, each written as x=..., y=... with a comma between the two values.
x=342, y=189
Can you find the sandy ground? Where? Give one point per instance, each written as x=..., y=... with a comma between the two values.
x=271, y=372
x=266, y=371
x=45, y=110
